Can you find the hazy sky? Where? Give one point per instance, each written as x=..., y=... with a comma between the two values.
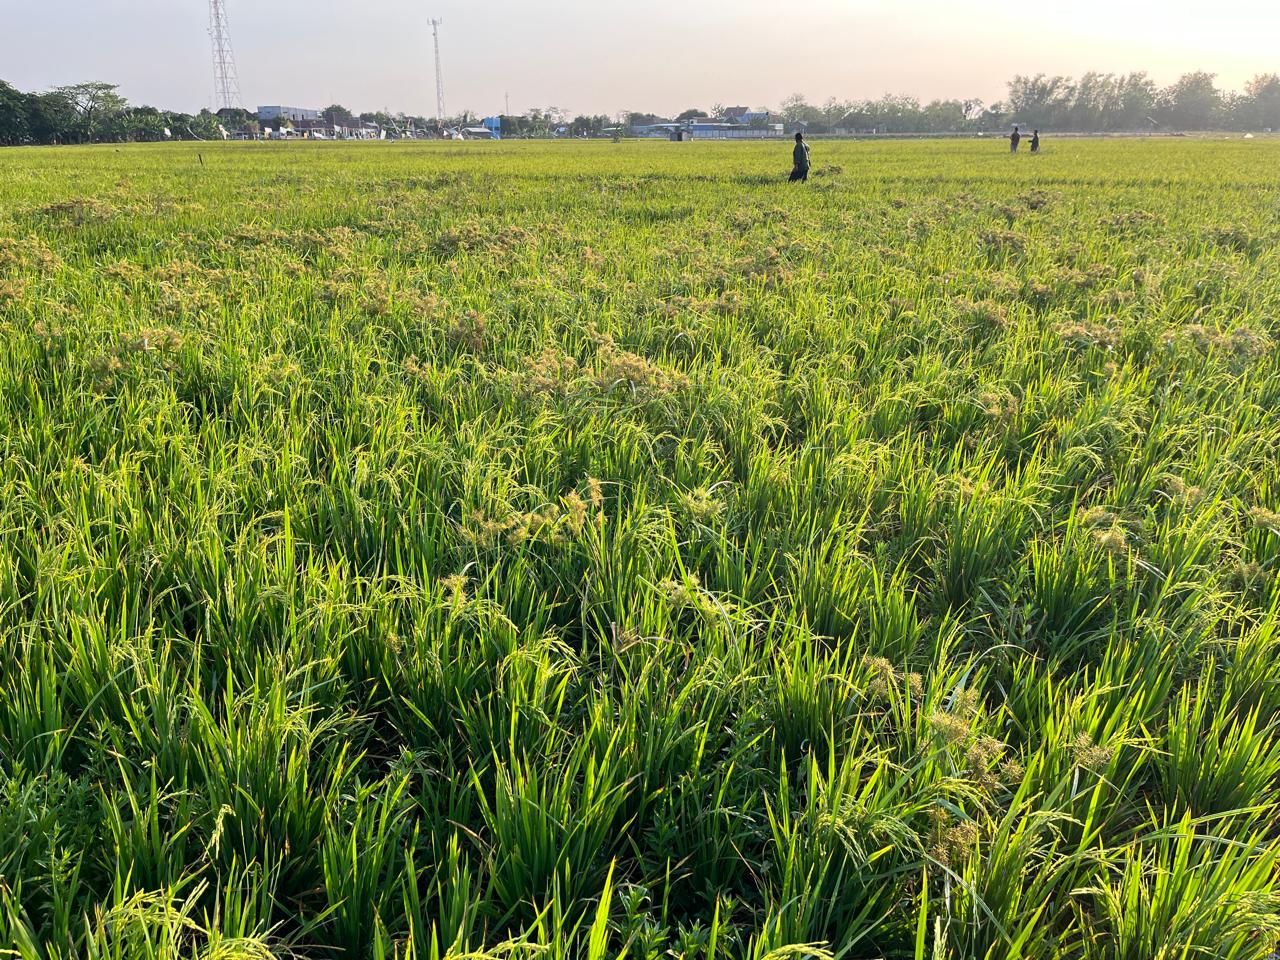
x=603, y=56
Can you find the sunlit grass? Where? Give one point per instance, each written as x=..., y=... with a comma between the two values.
x=574, y=550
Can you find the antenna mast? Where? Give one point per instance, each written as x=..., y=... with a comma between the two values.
x=226, y=82
x=435, y=32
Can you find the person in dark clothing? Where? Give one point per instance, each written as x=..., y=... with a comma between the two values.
x=800, y=160
x=1015, y=138
x=1035, y=141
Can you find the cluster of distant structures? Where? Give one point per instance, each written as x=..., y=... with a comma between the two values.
x=302, y=123
x=729, y=123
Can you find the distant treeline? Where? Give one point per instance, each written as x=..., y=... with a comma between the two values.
x=96, y=113
x=1095, y=103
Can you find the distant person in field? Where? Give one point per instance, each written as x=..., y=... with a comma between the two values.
x=1035, y=141
x=800, y=160
x=1015, y=138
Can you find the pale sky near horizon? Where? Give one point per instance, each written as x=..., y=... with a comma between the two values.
x=604, y=56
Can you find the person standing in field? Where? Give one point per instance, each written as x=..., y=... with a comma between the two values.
x=1035, y=141
x=1015, y=138
x=800, y=160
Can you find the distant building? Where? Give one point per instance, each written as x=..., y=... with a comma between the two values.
x=733, y=130
x=320, y=129
x=705, y=128
x=744, y=116
x=494, y=126
x=653, y=129
x=267, y=114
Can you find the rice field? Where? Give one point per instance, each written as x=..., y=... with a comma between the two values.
x=600, y=550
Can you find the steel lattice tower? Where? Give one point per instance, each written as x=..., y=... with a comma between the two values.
x=435, y=32
x=226, y=82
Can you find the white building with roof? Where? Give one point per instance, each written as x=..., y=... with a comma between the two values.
x=267, y=114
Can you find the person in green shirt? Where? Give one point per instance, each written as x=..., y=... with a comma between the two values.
x=800, y=160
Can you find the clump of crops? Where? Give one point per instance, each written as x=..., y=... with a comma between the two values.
x=600, y=550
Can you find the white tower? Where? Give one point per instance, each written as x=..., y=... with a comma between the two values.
x=226, y=83
x=435, y=31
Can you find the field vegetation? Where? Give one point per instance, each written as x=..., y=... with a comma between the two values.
x=588, y=550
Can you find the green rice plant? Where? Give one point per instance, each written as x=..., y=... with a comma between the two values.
x=476, y=551
x=361, y=862
x=1184, y=893
x=1001, y=892
x=551, y=832
x=1218, y=760
x=838, y=862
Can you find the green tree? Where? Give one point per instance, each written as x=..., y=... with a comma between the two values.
x=1193, y=103
x=204, y=126
x=892, y=114
x=588, y=126
x=338, y=116
x=1093, y=103
x=94, y=104
x=795, y=109
x=1041, y=100
x=515, y=126
x=943, y=116
x=993, y=117
x=177, y=124
x=1135, y=102
x=835, y=110
x=137, y=124
x=236, y=117
x=50, y=118
x=1263, y=100
x=14, y=128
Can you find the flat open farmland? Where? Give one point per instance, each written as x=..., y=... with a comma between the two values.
x=569, y=550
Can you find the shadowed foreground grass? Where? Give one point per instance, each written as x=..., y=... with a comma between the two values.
x=572, y=550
